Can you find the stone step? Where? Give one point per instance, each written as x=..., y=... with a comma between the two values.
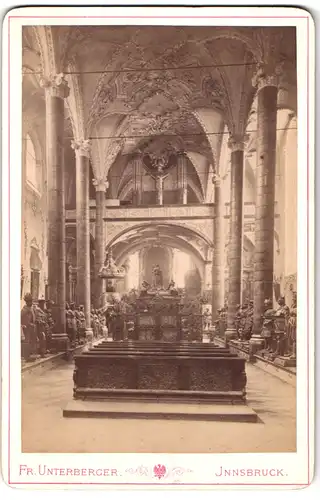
x=149, y=349
x=155, y=356
x=160, y=410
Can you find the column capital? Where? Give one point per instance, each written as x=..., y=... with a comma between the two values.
x=267, y=76
x=100, y=184
x=82, y=147
x=56, y=86
x=237, y=142
x=216, y=180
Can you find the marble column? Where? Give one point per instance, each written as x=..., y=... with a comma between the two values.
x=217, y=287
x=182, y=180
x=236, y=145
x=56, y=90
x=82, y=152
x=137, y=172
x=267, y=88
x=159, y=188
x=101, y=185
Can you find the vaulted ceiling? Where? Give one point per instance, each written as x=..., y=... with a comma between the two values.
x=139, y=88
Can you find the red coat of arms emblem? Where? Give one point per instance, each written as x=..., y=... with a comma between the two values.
x=159, y=471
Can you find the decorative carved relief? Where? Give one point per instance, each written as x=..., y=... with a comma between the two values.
x=56, y=86
x=214, y=91
x=100, y=184
x=82, y=147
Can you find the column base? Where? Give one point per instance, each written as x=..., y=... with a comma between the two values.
x=230, y=334
x=60, y=342
x=89, y=336
x=256, y=343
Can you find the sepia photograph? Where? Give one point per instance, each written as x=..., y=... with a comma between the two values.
x=159, y=296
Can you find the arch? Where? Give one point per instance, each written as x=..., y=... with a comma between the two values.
x=48, y=49
x=199, y=262
x=155, y=225
x=239, y=35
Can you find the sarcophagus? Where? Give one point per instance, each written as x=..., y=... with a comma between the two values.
x=147, y=370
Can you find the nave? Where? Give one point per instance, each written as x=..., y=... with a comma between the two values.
x=46, y=431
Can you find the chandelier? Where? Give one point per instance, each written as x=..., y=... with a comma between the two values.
x=110, y=270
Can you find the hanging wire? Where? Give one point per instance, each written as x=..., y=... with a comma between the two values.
x=199, y=134
x=146, y=70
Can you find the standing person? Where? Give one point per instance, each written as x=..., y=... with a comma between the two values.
x=28, y=324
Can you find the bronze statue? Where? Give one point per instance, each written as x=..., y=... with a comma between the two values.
x=71, y=323
x=41, y=326
x=292, y=327
x=28, y=324
x=280, y=326
x=81, y=324
x=172, y=288
x=207, y=319
x=267, y=332
x=157, y=281
x=248, y=321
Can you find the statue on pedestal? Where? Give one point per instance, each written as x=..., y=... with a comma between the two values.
x=267, y=332
x=71, y=323
x=81, y=324
x=28, y=325
x=280, y=323
x=172, y=288
x=292, y=327
x=207, y=319
x=157, y=281
x=41, y=326
x=247, y=321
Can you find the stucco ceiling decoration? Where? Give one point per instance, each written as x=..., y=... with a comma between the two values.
x=158, y=165
x=159, y=81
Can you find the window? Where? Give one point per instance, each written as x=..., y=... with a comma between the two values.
x=33, y=171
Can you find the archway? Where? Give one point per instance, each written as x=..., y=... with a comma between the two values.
x=165, y=240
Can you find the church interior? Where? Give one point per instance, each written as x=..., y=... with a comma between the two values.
x=159, y=214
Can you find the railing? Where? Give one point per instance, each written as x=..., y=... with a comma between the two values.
x=150, y=212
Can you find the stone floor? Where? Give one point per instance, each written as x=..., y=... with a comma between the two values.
x=44, y=430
